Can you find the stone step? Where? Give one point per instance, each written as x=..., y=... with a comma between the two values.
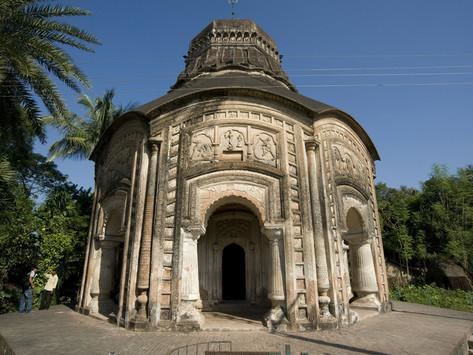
x=470, y=343
x=237, y=307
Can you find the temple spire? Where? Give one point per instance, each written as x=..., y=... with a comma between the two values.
x=233, y=3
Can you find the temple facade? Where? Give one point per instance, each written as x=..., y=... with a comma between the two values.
x=234, y=189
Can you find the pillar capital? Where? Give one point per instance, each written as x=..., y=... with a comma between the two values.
x=154, y=144
x=273, y=232
x=312, y=144
x=193, y=232
x=357, y=238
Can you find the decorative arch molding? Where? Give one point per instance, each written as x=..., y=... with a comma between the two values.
x=350, y=197
x=129, y=127
x=258, y=192
x=112, y=209
x=114, y=162
x=225, y=198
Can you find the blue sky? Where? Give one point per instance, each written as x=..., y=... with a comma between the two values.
x=403, y=69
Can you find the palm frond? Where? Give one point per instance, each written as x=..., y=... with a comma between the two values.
x=32, y=52
x=80, y=136
x=7, y=174
x=55, y=11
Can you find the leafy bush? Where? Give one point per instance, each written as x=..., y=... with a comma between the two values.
x=435, y=296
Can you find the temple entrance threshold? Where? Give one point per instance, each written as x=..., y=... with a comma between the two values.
x=233, y=270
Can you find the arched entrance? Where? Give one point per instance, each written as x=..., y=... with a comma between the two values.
x=233, y=273
x=233, y=258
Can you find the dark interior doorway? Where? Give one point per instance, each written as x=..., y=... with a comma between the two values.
x=233, y=273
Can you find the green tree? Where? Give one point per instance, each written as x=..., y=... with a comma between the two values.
x=32, y=49
x=447, y=213
x=80, y=135
x=63, y=220
x=399, y=231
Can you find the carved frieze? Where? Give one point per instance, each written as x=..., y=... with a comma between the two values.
x=232, y=140
x=348, y=165
x=202, y=147
x=264, y=148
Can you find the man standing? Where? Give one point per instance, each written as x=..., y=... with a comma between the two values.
x=26, y=299
x=48, y=290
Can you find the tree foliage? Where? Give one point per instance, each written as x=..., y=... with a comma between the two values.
x=81, y=135
x=51, y=235
x=32, y=49
x=433, y=223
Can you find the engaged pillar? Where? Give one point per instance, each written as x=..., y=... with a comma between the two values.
x=188, y=316
x=323, y=283
x=363, y=273
x=276, y=285
x=144, y=265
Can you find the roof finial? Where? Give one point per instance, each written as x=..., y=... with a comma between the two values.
x=233, y=2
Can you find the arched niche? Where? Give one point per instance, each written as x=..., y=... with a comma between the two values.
x=354, y=221
x=359, y=272
x=108, y=253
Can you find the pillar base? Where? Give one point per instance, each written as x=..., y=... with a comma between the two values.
x=327, y=322
x=138, y=325
x=369, y=301
x=83, y=310
x=276, y=319
x=188, y=317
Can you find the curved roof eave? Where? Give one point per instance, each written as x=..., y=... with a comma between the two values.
x=359, y=130
x=113, y=128
x=245, y=83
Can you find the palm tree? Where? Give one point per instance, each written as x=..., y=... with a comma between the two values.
x=31, y=51
x=80, y=135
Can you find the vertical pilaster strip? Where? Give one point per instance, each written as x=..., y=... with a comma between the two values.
x=380, y=263
x=323, y=283
x=158, y=244
x=86, y=269
x=188, y=316
x=190, y=268
x=144, y=265
x=129, y=211
x=215, y=272
x=135, y=235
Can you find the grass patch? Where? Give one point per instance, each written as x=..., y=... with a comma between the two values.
x=434, y=296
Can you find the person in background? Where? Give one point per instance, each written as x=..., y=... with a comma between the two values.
x=26, y=298
x=49, y=288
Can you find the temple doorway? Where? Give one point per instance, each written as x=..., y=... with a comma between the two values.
x=233, y=273
x=233, y=258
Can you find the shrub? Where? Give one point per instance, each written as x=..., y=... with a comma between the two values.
x=435, y=296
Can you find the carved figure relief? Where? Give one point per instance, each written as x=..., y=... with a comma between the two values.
x=233, y=140
x=265, y=147
x=348, y=164
x=202, y=148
